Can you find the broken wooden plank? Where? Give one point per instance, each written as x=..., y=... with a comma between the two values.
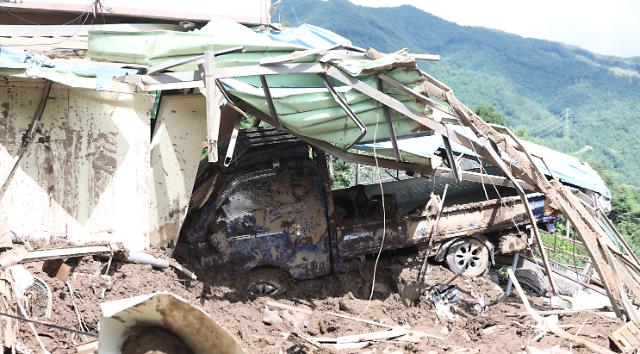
x=193, y=79
x=626, y=304
x=89, y=347
x=583, y=221
x=492, y=155
x=554, y=329
x=626, y=338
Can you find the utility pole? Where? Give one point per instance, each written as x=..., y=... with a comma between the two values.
x=567, y=124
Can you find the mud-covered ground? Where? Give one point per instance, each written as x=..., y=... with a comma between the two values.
x=502, y=328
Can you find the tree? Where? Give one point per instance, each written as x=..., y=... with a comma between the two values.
x=490, y=114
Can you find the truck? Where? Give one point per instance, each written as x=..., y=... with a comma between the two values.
x=272, y=214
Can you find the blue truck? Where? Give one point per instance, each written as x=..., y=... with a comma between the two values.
x=273, y=214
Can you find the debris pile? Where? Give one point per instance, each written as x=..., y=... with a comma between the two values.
x=312, y=317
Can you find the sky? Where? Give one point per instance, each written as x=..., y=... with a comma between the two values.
x=607, y=27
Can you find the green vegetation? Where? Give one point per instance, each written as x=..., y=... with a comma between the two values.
x=625, y=209
x=538, y=85
x=490, y=114
x=564, y=251
x=343, y=172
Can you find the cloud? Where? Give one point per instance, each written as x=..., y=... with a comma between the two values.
x=603, y=27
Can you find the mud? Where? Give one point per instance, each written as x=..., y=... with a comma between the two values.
x=155, y=340
x=502, y=328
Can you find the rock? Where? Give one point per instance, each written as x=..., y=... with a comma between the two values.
x=270, y=317
x=297, y=319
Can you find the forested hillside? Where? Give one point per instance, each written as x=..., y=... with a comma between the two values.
x=565, y=97
x=537, y=84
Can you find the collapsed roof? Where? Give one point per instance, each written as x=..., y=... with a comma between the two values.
x=308, y=102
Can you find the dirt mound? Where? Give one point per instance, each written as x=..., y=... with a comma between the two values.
x=500, y=326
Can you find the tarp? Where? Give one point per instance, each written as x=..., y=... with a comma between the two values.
x=21, y=63
x=19, y=59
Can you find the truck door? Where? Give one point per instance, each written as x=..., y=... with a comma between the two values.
x=277, y=217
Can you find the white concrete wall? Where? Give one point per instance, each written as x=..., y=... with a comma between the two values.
x=91, y=173
x=176, y=150
x=82, y=177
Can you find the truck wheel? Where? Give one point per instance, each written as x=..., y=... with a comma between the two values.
x=470, y=254
x=270, y=282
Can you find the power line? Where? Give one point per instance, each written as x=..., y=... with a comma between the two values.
x=567, y=124
x=293, y=11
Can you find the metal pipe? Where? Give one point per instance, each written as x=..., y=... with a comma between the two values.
x=347, y=109
x=174, y=63
x=272, y=107
x=392, y=131
x=514, y=264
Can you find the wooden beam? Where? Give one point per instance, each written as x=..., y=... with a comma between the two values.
x=626, y=304
x=213, y=109
x=417, y=96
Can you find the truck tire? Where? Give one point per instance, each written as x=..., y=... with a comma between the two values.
x=470, y=254
x=271, y=282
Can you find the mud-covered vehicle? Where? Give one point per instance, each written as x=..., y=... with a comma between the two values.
x=273, y=211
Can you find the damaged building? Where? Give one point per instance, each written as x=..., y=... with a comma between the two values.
x=212, y=141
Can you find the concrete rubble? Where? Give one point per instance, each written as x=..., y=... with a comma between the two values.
x=171, y=188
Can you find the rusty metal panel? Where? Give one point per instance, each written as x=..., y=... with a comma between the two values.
x=176, y=150
x=81, y=178
x=361, y=236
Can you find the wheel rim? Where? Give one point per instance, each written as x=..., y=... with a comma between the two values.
x=468, y=256
x=264, y=289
